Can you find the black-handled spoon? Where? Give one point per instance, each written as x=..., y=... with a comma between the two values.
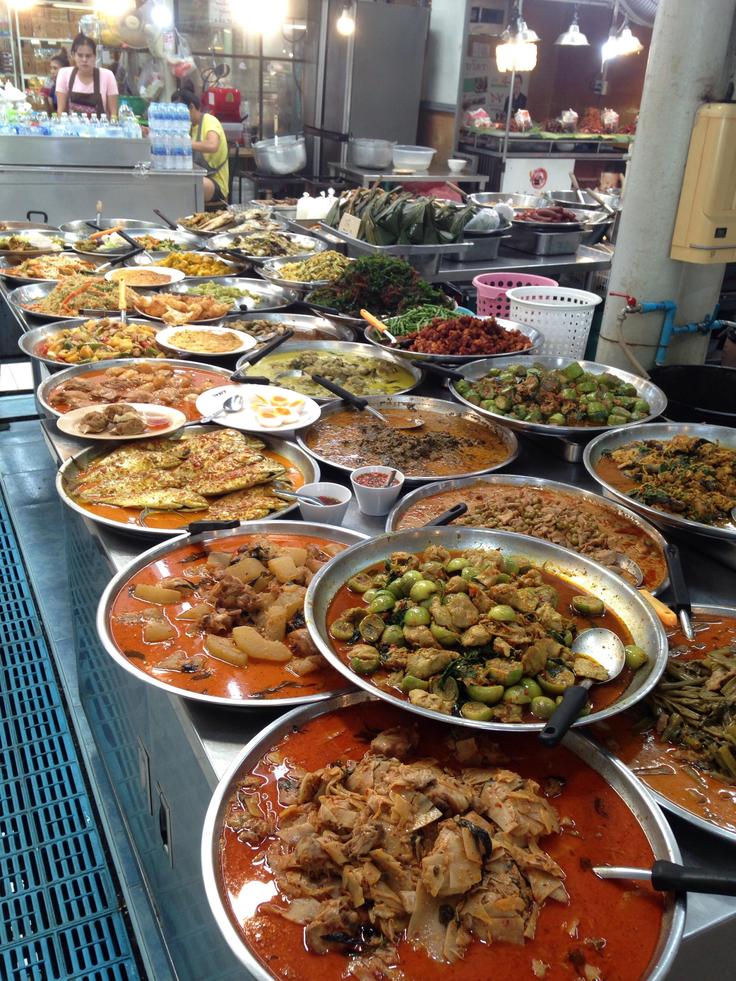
x=668, y=877
x=678, y=587
x=167, y=221
x=456, y=511
x=363, y=404
x=123, y=234
x=255, y=356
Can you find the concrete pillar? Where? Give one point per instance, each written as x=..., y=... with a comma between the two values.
x=689, y=63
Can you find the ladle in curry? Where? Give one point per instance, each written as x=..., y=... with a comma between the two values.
x=680, y=603
x=606, y=649
x=254, y=356
x=669, y=877
x=364, y=405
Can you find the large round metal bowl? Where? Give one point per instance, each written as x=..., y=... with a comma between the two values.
x=617, y=438
x=271, y=270
x=267, y=295
x=8, y=270
x=417, y=404
x=48, y=385
x=306, y=244
x=22, y=296
x=405, y=503
x=644, y=389
x=71, y=466
x=257, y=528
x=48, y=241
x=374, y=337
x=81, y=226
x=184, y=242
x=622, y=599
x=233, y=268
x=653, y=824
x=28, y=342
x=304, y=326
x=338, y=347
x=489, y=199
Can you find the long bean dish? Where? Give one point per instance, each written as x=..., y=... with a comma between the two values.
x=568, y=396
x=472, y=633
x=227, y=619
x=321, y=266
x=597, y=529
x=75, y=294
x=681, y=741
x=144, y=381
x=445, y=444
x=99, y=340
x=362, y=845
x=691, y=477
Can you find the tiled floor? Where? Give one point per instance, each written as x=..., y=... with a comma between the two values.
x=15, y=377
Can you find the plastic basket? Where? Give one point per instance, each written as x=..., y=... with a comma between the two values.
x=492, y=289
x=562, y=315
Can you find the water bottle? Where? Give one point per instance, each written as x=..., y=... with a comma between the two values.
x=188, y=162
x=168, y=156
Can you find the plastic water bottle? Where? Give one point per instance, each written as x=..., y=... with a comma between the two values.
x=188, y=161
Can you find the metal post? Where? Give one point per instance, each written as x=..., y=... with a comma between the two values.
x=687, y=66
x=508, y=126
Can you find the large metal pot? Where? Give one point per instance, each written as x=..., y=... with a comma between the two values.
x=285, y=155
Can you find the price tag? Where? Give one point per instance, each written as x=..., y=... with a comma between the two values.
x=350, y=225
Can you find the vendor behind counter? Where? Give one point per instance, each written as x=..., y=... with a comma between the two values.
x=209, y=146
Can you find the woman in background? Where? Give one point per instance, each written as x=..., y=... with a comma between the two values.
x=59, y=61
x=85, y=88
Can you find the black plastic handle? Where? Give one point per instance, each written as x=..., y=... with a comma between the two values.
x=667, y=876
x=165, y=220
x=572, y=704
x=439, y=369
x=342, y=393
x=128, y=255
x=269, y=346
x=678, y=585
x=196, y=527
x=41, y=213
x=240, y=376
x=312, y=307
x=456, y=511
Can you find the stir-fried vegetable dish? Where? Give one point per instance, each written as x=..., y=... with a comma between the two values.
x=75, y=294
x=381, y=284
x=568, y=396
x=688, y=476
x=196, y=264
x=98, y=340
x=219, y=291
x=327, y=265
x=475, y=632
x=418, y=317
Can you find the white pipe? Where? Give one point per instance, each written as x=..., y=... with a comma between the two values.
x=688, y=65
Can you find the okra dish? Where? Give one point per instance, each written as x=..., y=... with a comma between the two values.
x=568, y=396
x=473, y=633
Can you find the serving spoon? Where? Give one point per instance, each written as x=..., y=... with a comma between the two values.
x=606, y=649
x=233, y=403
x=670, y=877
x=364, y=405
x=379, y=325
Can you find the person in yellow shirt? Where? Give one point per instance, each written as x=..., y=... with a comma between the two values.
x=209, y=146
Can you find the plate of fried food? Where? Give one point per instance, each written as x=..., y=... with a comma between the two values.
x=121, y=421
x=177, y=309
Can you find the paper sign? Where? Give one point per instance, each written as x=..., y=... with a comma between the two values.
x=350, y=225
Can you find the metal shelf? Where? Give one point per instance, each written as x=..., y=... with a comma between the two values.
x=51, y=40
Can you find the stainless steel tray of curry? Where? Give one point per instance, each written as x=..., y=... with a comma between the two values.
x=451, y=443
x=646, y=548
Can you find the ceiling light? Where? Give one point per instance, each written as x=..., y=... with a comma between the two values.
x=573, y=37
x=259, y=16
x=161, y=16
x=517, y=50
x=346, y=22
x=628, y=43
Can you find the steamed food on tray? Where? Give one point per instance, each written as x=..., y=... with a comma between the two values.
x=358, y=373
x=181, y=308
x=384, y=847
x=679, y=740
x=598, y=529
x=99, y=340
x=465, y=336
x=381, y=284
x=227, y=619
x=691, y=477
x=492, y=641
x=146, y=381
x=321, y=266
x=196, y=264
x=53, y=267
x=75, y=294
x=445, y=444
x=568, y=396
x=219, y=475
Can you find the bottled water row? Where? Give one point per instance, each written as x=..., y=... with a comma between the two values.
x=24, y=121
x=169, y=128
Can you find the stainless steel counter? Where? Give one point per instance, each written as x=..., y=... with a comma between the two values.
x=587, y=260
x=365, y=176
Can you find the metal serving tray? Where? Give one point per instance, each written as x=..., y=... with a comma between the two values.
x=53, y=238
x=650, y=818
x=417, y=404
x=257, y=528
x=23, y=295
x=32, y=338
x=185, y=242
x=644, y=389
x=300, y=323
x=306, y=243
x=339, y=347
x=424, y=258
x=614, y=439
x=374, y=337
x=535, y=241
x=430, y=490
x=270, y=271
x=80, y=226
x=270, y=296
x=623, y=600
x=7, y=270
x=48, y=385
x=71, y=467
x=141, y=259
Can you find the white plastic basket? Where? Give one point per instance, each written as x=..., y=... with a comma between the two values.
x=563, y=316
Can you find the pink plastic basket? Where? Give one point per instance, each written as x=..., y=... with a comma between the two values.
x=492, y=287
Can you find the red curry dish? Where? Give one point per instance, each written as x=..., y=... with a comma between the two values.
x=367, y=846
x=225, y=619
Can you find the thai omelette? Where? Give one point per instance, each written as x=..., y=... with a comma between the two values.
x=180, y=474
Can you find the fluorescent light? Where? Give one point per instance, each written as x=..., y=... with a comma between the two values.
x=346, y=22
